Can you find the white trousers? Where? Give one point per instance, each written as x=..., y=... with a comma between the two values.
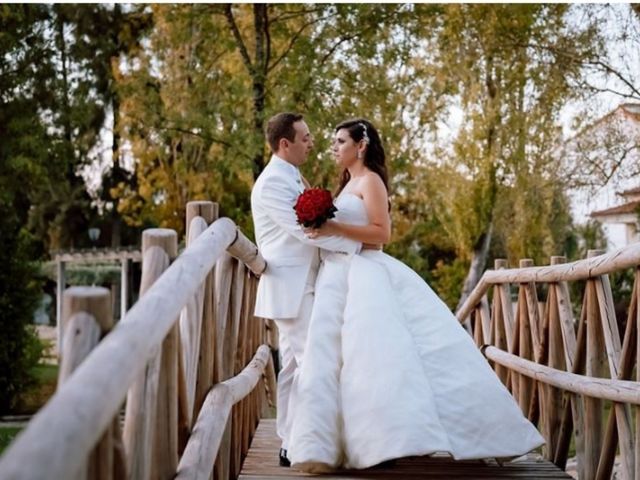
x=292, y=335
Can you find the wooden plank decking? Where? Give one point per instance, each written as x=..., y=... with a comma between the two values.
x=262, y=464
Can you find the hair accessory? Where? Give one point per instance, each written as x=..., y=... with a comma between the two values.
x=365, y=135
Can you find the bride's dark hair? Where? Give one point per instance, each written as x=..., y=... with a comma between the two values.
x=374, y=154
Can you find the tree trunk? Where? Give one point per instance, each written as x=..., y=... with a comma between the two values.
x=481, y=247
x=66, y=104
x=118, y=174
x=259, y=82
x=478, y=262
x=258, y=69
x=258, y=126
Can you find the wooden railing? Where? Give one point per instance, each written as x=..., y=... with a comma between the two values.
x=187, y=358
x=573, y=378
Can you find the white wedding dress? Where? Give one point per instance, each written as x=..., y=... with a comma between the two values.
x=389, y=372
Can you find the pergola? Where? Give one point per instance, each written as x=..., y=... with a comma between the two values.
x=93, y=256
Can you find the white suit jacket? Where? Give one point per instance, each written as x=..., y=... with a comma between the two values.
x=282, y=242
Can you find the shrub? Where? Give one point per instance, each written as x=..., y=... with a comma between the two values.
x=20, y=349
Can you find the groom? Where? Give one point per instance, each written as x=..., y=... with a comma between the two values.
x=286, y=288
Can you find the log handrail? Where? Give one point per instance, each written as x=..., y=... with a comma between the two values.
x=623, y=391
x=62, y=433
x=204, y=442
x=564, y=362
x=622, y=258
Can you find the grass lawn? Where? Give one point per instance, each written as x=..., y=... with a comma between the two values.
x=34, y=398
x=46, y=372
x=7, y=434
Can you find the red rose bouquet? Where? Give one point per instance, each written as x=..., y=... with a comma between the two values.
x=314, y=207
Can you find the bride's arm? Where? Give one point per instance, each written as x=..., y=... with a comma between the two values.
x=277, y=200
x=376, y=202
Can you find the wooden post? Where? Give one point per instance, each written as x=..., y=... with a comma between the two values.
x=476, y=326
x=95, y=302
x=485, y=320
x=524, y=337
x=205, y=209
x=224, y=273
x=60, y=286
x=204, y=369
x=556, y=359
x=594, y=368
x=87, y=317
x=620, y=413
x=232, y=335
x=190, y=339
x=124, y=286
x=165, y=445
x=574, y=355
x=142, y=398
x=499, y=321
x=246, y=341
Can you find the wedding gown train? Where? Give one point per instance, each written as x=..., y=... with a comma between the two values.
x=389, y=372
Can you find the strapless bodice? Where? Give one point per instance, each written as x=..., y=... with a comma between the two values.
x=351, y=209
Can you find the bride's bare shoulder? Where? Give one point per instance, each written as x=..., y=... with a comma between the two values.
x=371, y=180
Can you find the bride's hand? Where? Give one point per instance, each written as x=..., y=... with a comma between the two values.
x=327, y=228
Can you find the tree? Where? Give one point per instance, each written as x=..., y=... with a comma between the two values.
x=58, y=82
x=19, y=346
x=24, y=67
x=21, y=157
x=195, y=101
x=507, y=68
x=102, y=35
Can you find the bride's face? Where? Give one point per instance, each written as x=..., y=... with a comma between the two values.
x=344, y=149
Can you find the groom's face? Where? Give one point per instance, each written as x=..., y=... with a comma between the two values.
x=299, y=149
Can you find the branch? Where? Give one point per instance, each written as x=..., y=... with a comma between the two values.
x=293, y=41
x=258, y=23
x=346, y=38
x=194, y=134
x=635, y=93
x=599, y=175
x=619, y=76
x=267, y=36
x=610, y=90
x=288, y=15
x=236, y=34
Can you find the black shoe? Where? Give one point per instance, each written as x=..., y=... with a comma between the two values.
x=284, y=461
x=386, y=464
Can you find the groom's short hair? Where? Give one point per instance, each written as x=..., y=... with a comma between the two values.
x=281, y=126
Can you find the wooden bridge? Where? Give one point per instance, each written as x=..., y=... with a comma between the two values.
x=192, y=370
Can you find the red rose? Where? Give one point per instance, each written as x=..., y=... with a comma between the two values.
x=314, y=207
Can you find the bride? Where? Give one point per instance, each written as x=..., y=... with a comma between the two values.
x=388, y=370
